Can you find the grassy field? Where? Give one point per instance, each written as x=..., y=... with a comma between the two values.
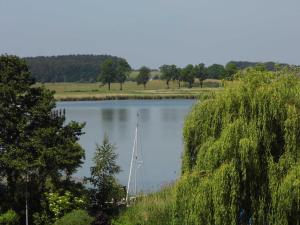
x=153, y=73
x=155, y=89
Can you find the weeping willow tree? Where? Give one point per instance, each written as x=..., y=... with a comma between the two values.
x=242, y=150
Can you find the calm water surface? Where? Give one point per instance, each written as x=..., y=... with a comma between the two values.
x=160, y=135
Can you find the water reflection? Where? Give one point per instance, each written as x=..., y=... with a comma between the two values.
x=144, y=115
x=107, y=114
x=160, y=135
x=169, y=114
x=122, y=115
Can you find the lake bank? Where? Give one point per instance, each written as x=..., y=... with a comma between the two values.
x=123, y=97
x=156, y=89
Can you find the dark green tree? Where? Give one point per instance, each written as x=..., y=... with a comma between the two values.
x=188, y=75
x=200, y=72
x=231, y=69
x=108, y=74
x=143, y=76
x=216, y=71
x=260, y=67
x=67, y=68
x=178, y=76
x=37, y=147
x=103, y=175
x=122, y=73
x=169, y=72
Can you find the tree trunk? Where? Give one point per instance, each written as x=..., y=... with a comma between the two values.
x=121, y=86
x=179, y=84
x=201, y=83
x=168, y=85
x=109, y=86
x=144, y=86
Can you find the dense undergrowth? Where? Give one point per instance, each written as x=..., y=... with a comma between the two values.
x=241, y=160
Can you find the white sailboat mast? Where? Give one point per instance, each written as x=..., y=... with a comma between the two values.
x=134, y=154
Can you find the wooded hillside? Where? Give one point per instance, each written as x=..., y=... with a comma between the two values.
x=66, y=68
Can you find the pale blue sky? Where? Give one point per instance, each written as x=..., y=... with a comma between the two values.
x=154, y=32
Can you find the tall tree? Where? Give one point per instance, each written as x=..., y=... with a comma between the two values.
x=169, y=72
x=177, y=76
x=216, y=71
x=103, y=173
x=188, y=74
x=231, y=69
x=122, y=73
x=143, y=76
x=36, y=145
x=108, y=74
x=200, y=72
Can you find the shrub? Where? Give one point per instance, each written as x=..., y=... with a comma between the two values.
x=153, y=209
x=76, y=217
x=9, y=218
x=62, y=204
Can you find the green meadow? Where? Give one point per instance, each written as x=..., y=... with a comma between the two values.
x=155, y=89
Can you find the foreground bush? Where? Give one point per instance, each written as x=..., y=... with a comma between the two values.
x=9, y=218
x=76, y=217
x=154, y=209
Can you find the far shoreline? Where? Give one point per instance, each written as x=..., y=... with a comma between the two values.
x=115, y=97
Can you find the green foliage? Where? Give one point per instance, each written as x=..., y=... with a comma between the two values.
x=201, y=73
x=123, y=70
x=153, y=209
x=270, y=66
x=85, y=68
x=67, y=68
x=260, y=67
x=169, y=72
x=35, y=141
x=103, y=174
x=114, y=71
x=108, y=72
x=42, y=218
x=216, y=71
x=188, y=74
x=59, y=205
x=143, y=76
x=76, y=217
x=9, y=218
x=231, y=69
x=242, y=151
x=287, y=199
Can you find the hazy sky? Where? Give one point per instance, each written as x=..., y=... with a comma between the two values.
x=154, y=32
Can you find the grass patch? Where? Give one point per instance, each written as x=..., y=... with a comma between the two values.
x=156, y=89
x=153, y=209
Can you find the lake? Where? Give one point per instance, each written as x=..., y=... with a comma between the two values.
x=160, y=135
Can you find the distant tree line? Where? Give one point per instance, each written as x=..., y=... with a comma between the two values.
x=117, y=71
x=200, y=72
x=66, y=68
x=92, y=68
x=270, y=66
